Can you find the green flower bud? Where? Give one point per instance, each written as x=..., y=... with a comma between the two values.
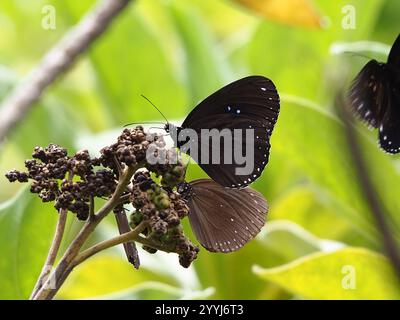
x=135, y=218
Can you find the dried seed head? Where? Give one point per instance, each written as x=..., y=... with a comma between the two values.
x=72, y=181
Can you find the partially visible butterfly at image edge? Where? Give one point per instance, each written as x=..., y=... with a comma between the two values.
x=249, y=103
x=375, y=98
x=223, y=219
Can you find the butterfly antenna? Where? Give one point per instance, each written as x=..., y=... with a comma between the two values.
x=143, y=96
x=144, y=122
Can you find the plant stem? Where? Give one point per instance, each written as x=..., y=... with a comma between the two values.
x=123, y=238
x=370, y=194
x=52, y=255
x=91, y=207
x=129, y=247
x=58, y=276
x=154, y=245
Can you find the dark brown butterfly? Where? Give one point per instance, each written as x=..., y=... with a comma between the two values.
x=249, y=103
x=375, y=98
x=223, y=219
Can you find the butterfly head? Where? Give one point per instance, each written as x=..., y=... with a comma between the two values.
x=173, y=131
x=168, y=127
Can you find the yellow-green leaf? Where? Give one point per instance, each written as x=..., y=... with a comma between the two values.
x=350, y=273
x=26, y=228
x=106, y=274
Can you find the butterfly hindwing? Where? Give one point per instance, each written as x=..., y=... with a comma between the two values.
x=223, y=219
x=367, y=94
x=249, y=103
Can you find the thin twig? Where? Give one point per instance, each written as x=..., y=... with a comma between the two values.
x=123, y=238
x=91, y=207
x=123, y=226
x=129, y=247
x=56, y=61
x=139, y=239
x=55, y=246
x=377, y=209
x=154, y=245
x=58, y=276
x=124, y=198
x=118, y=165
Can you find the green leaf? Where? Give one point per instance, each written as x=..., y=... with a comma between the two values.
x=230, y=274
x=206, y=69
x=158, y=291
x=10, y=159
x=349, y=273
x=291, y=241
x=387, y=25
x=26, y=228
x=141, y=67
x=279, y=242
x=305, y=206
x=317, y=146
x=110, y=275
x=306, y=70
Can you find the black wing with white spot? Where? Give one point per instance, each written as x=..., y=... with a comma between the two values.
x=222, y=219
x=389, y=129
x=394, y=56
x=250, y=103
x=375, y=98
x=367, y=95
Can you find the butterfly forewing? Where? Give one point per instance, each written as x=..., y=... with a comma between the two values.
x=223, y=219
x=250, y=103
x=394, y=56
x=375, y=98
x=389, y=129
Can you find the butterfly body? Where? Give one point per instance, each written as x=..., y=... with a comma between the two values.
x=223, y=219
x=375, y=98
x=247, y=109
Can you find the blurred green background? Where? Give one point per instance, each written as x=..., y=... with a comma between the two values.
x=177, y=52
